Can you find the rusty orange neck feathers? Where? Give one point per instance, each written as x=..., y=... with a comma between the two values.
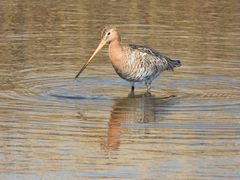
x=116, y=53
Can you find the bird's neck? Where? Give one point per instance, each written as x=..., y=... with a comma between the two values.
x=116, y=54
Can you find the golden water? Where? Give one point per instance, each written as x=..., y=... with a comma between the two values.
x=56, y=127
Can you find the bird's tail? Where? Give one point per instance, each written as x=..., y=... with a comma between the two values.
x=174, y=63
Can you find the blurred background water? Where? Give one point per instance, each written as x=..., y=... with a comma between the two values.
x=56, y=127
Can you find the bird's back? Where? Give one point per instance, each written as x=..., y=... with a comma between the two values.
x=144, y=63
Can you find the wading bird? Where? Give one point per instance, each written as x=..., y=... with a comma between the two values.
x=133, y=63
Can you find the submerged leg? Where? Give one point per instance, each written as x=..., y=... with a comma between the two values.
x=148, y=85
x=132, y=87
x=131, y=94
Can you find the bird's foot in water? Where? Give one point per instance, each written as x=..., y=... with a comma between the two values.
x=147, y=93
x=131, y=94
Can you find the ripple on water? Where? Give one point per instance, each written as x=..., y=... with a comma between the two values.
x=202, y=94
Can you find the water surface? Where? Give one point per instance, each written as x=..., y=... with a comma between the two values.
x=56, y=127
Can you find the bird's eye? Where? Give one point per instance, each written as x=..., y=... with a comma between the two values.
x=108, y=33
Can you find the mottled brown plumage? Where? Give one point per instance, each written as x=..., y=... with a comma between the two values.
x=133, y=63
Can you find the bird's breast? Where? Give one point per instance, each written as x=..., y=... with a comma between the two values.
x=118, y=56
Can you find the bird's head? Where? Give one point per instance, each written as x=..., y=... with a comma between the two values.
x=108, y=35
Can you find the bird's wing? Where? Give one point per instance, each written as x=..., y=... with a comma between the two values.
x=157, y=59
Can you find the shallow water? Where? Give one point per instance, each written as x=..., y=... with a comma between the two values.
x=56, y=127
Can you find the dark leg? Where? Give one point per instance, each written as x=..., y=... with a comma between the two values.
x=148, y=85
x=131, y=94
x=132, y=88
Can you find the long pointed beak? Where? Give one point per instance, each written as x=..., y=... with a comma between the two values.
x=101, y=44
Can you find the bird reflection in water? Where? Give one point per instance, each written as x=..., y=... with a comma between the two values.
x=133, y=110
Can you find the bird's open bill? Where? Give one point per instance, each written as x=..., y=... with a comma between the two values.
x=101, y=44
